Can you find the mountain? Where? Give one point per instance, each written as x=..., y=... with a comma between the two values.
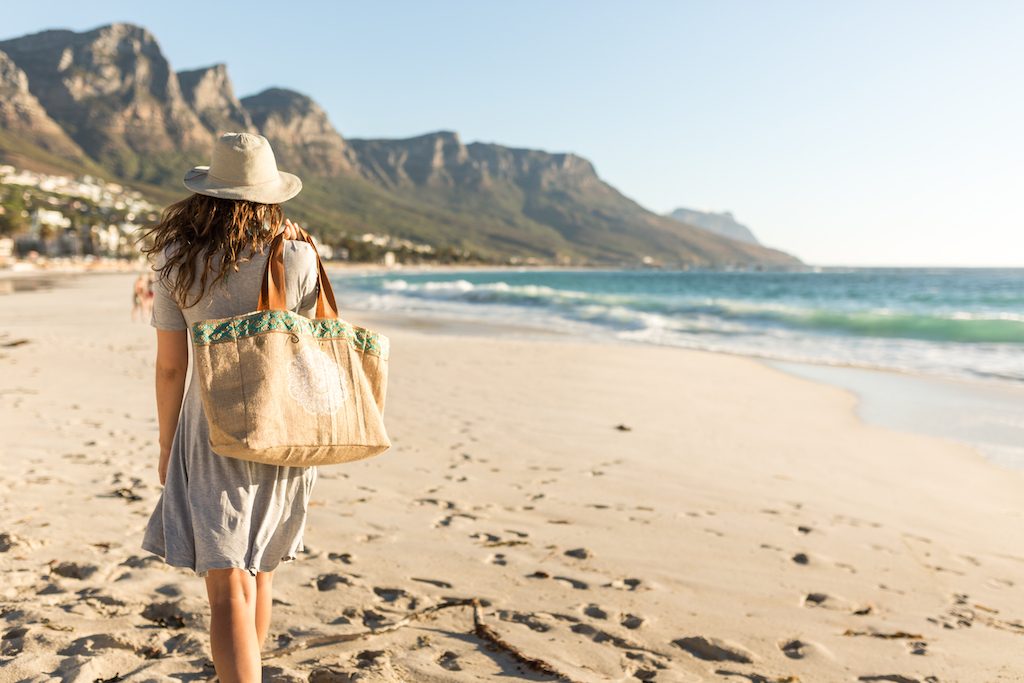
x=112, y=90
x=301, y=134
x=212, y=97
x=108, y=99
x=719, y=223
x=23, y=116
x=556, y=203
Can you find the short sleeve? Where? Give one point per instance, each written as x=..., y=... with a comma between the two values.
x=303, y=256
x=167, y=313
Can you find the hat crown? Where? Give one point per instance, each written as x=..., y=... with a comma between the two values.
x=243, y=158
x=243, y=167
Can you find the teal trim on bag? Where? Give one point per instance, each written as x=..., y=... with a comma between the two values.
x=361, y=339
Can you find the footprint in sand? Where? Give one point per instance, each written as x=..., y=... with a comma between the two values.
x=631, y=621
x=169, y=590
x=713, y=649
x=73, y=570
x=280, y=675
x=168, y=614
x=139, y=562
x=10, y=541
x=344, y=558
x=600, y=636
x=91, y=644
x=826, y=601
x=12, y=642
x=533, y=621
x=497, y=558
x=94, y=602
x=494, y=540
x=390, y=594
x=594, y=612
x=794, y=649
x=327, y=582
x=574, y=583
x=449, y=519
x=377, y=664
x=372, y=619
x=449, y=660
x=579, y=553
x=628, y=584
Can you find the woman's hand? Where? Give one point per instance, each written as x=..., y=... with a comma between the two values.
x=292, y=231
x=162, y=467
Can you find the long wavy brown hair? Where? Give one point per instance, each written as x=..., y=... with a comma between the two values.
x=212, y=226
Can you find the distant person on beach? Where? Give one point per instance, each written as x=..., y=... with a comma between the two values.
x=147, y=306
x=139, y=292
x=231, y=521
x=148, y=296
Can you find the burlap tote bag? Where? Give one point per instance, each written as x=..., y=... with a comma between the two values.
x=283, y=389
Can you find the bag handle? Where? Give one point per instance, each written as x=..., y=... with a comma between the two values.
x=272, y=291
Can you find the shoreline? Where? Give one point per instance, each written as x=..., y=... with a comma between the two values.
x=881, y=394
x=878, y=391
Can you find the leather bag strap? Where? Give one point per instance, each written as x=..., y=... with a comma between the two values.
x=272, y=291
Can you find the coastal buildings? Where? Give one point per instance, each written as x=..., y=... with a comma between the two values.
x=43, y=215
x=53, y=216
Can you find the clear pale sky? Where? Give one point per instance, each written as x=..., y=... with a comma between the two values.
x=858, y=132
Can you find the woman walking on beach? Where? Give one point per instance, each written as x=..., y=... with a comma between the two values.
x=232, y=521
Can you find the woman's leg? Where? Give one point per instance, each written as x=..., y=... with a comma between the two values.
x=264, y=601
x=236, y=650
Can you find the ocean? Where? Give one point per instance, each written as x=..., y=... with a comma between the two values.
x=934, y=351
x=949, y=323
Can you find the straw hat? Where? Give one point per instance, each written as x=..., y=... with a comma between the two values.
x=243, y=167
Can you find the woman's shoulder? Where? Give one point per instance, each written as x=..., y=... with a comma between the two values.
x=299, y=250
x=162, y=256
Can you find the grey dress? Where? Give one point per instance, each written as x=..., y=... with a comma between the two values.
x=215, y=511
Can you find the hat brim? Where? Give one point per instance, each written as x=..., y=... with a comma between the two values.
x=275, y=191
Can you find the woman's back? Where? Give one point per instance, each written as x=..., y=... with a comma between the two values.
x=238, y=292
x=216, y=511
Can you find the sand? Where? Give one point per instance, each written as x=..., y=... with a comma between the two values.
x=742, y=525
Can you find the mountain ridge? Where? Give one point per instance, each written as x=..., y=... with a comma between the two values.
x=724, y=223
x=113, y=94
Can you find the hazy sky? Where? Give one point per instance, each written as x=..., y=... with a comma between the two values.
x=849, y=132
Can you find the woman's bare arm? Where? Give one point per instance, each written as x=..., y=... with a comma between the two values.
x=171, y=369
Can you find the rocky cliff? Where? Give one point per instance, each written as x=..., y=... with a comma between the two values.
x=212, y=97
x=112, y=90
x=23, y=116
x=298, y=128
x=109, y=95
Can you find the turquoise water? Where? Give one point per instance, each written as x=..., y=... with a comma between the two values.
x=944, y=322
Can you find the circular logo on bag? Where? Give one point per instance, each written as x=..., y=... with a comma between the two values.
x=315, y=382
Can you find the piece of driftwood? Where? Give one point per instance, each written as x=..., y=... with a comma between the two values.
x=480, y=629
x=485, y=632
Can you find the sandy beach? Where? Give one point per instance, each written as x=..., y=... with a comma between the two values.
x=550, y=510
